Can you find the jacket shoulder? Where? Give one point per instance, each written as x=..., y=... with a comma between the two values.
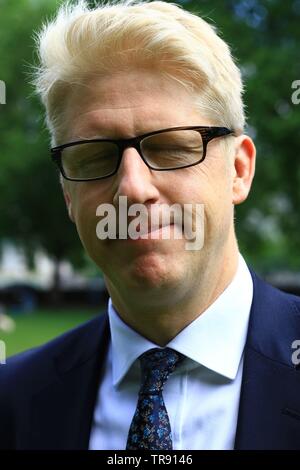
x=274, y=321
x=266, y=291
x=25, y=375
x=32, y=366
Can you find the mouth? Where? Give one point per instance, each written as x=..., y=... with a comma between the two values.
x=152, y=229
x=160, y=232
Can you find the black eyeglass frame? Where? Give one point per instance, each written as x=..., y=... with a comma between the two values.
x=208, y=133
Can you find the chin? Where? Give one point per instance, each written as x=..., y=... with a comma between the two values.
x=153, y=272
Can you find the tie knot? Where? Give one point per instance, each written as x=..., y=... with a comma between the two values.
x=156, y=367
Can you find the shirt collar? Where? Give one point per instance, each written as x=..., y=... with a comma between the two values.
x=215, y=339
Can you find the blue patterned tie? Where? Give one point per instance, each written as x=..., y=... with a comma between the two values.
x=150, y=426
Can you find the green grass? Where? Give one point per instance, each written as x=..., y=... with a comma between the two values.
x=40, y=326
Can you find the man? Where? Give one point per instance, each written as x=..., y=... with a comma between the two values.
x=144, y=106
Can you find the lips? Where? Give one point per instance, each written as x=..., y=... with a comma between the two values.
x=148, y=228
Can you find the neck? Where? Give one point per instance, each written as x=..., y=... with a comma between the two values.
x=160, y=316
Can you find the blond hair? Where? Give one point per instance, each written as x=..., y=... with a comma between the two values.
x=83, y=42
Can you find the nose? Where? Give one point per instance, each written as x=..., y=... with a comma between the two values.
x=135, y=180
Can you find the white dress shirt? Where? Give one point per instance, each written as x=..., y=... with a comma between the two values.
x=202, y=395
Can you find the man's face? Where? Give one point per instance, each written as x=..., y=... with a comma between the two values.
x=126, y=105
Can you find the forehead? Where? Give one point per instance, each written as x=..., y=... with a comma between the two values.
x=129, y=104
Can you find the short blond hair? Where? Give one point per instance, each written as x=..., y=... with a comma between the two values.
x=83, y=42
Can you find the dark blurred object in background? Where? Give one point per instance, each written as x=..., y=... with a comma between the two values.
x=25, y=298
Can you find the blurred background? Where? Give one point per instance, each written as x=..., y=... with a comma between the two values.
x=47, y=284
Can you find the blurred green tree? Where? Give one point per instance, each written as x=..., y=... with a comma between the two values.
x=33, y=214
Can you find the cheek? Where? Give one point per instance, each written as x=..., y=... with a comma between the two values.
x=85, y=201
x=210, y=185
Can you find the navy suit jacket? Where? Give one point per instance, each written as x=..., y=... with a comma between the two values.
x=48, y=394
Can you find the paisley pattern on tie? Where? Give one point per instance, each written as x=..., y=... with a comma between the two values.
x=150, y=427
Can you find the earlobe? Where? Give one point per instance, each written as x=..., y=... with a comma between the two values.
x=244, y=169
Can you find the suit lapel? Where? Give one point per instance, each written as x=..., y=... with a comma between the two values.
x=62, y=411
x=269, y=412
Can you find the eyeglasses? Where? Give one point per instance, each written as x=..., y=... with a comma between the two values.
x=162, y=150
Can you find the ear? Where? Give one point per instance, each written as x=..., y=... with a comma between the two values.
x=244, y=168
x=68, y=201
